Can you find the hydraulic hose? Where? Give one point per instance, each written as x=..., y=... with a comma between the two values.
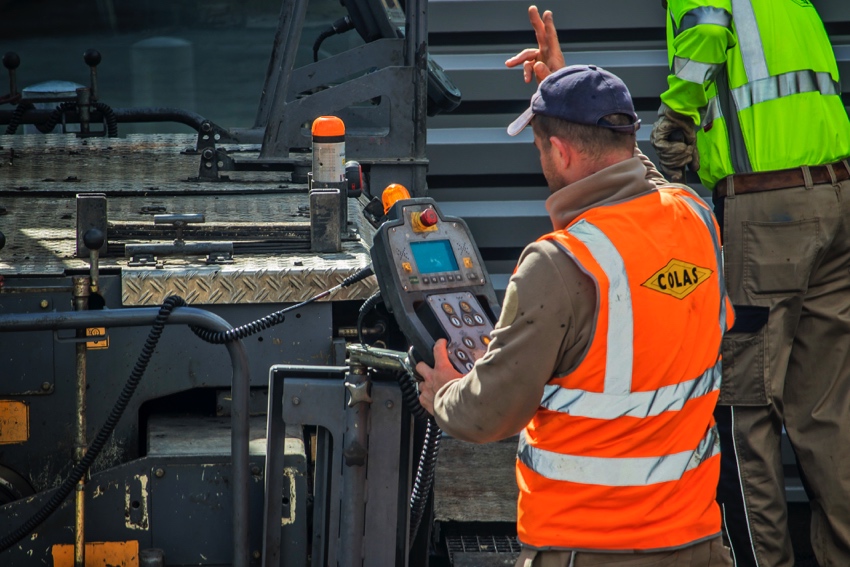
x=275, y=318
x=102, y=437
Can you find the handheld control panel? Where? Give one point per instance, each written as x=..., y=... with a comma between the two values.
x=433, y=280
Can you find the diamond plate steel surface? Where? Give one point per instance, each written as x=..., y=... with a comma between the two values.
x=261, y=211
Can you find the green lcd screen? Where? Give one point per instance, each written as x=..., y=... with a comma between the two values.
x=434, y=256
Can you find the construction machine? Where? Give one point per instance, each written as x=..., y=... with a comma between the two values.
x=198, y=366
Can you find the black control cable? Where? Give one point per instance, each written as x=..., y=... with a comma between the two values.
x=15, y=120
x=132, y=383
x=342, y=25
x=272, y=319
x=109, y=117
x=102, y=437
x=427, y=466
x=48, y=125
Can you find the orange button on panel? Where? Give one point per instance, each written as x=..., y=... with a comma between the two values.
x=407, y=267
x=467, y=262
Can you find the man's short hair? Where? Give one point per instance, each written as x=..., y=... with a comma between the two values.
x=593, y=141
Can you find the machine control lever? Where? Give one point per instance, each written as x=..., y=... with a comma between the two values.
x=11, y=61
x=93, y=240
x=179, y=222
x=92, y=58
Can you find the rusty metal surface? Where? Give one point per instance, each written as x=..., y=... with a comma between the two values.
x=261, y=211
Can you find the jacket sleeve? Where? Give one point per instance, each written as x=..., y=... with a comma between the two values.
x=543, y=330
x=699, y=35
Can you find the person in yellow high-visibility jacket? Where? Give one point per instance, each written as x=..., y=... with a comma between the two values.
x=753, y=105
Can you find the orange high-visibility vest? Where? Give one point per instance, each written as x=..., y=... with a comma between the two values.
x=623, y=453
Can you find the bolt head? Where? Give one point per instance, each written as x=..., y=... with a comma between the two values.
x=44, y=304
x=46, y=386
x=296, y=400
x=159, y=473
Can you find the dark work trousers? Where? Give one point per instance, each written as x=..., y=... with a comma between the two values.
x=709, y=553
x=786, y=363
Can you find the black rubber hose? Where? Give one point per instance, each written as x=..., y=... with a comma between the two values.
x=109, y=116
x=342, y=25
x=15, y=120
x=102, y=437
x=52, y=120
x=367, y=306
x=272, y=319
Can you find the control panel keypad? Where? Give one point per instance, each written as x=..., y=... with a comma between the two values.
x=464, y=323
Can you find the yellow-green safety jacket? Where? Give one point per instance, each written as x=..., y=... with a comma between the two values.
x=760, y=80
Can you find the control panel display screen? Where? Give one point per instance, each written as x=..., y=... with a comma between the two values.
x=434, y=256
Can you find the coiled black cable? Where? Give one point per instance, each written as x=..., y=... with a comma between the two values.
x=102, y=437
x=15, y=120
x=109, y=117
x=48, y=125
x=427, y=466
x=425, y=472
x=272, y=319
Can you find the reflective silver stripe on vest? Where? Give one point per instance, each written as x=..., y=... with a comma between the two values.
x=617, y=471
x=772, y=88
x=704, y=15
x=694, y=71
x=749, y=40
x=708, y=220
x=620, y=339
x=593, y=405
x=711, y=112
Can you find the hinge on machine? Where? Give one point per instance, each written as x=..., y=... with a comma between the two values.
x=143, y=259
x=219, y=258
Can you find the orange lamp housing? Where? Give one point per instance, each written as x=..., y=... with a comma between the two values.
x=394, y=192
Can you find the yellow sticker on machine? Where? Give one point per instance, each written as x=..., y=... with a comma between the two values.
x=97, y=332
x=100, y=553
x=14, y=422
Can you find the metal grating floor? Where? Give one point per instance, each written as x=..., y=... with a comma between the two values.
x=483, y=544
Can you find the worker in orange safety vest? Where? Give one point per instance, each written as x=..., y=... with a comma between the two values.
x=606, y=357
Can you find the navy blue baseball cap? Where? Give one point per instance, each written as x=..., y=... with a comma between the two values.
x=582, y=94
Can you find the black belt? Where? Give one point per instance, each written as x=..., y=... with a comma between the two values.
x=782, y=179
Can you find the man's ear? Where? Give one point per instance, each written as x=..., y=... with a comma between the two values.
x=564, y=152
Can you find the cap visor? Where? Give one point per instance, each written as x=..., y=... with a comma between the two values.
x=521, y=122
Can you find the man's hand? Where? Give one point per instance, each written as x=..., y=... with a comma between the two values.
x=437, y=377
x=547, y=57
x=674, y=139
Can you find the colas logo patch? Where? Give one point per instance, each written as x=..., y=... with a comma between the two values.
x=678, y=278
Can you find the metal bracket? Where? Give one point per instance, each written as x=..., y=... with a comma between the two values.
x=219, y=258
x=143, y=259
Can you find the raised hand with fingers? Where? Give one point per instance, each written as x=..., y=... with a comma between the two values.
x=547, y=57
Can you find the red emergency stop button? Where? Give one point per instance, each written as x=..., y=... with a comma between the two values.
x=428, y=217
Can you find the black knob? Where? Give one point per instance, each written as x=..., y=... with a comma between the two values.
x=2, y=240
x=11, y=60
x=92, y=57
x=93, y=239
